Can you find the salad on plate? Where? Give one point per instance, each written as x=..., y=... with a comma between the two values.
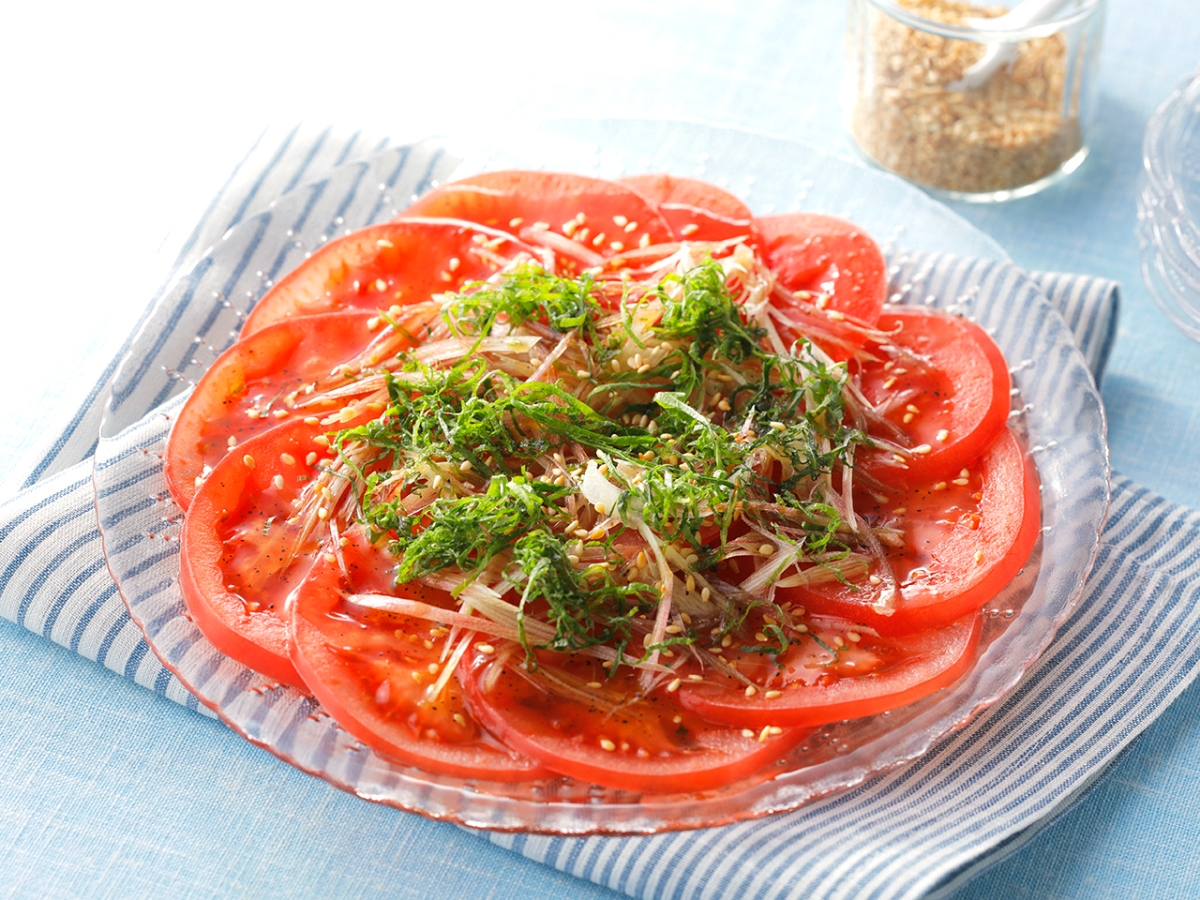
x=561, y=477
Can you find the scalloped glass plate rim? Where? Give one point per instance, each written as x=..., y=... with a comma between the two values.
x=656, y=814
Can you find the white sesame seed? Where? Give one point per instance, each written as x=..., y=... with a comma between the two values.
x=606, y=744
x=674, y=685
x=278, y=482
x=248, y=460
x=287, y=459
x=485, y=649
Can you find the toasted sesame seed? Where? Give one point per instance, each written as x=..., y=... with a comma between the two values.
x=978, y=557
x=460, y=719
x=674, y=685
x=694, y=677
x=762, y=737
x=890, y=383
x=908, y=417
x=594, y=684
x=287, y=459
x=248, y=460
x=751, y=690
x=771, y=695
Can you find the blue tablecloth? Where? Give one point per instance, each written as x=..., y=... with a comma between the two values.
x=109, y=791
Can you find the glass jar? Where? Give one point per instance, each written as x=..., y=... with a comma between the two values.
x=968, y=109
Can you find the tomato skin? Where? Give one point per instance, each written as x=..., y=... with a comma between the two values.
x=945, y=528
x=696, y=210
x=964, y=391
x=680, y=752
x=233, y=576
x=401, y=262
x=348, y=654
x=904, y=671
x=497, y=199
x=805, y=249
x=252, y=373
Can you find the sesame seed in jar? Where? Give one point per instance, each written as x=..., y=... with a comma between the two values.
x=910, y=114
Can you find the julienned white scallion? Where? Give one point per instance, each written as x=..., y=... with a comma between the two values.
x=569, y=458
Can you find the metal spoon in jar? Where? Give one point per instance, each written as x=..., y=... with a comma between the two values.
x=998, y=55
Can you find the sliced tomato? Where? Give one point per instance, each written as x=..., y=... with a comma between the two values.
x=253, y=385
x=947, y=390
x=401, y=262
x=610, y=735
x=375, y=671
x=584, y=220
x=963, y=540
x=831, y=673
x=236, y=560
x=826, y=255
x=696, y=210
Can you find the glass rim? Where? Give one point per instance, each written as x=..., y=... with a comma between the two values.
x=1085, y=10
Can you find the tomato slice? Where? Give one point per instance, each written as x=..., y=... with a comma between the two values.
x=235, y=549
x=615, y=739
x=252, y=385
x=947, y=390
x=824, y=677
x=374, y=671
x=963, y=541
x=696, y=210
x=584, y=220
x=826, y=255
x=401, y=262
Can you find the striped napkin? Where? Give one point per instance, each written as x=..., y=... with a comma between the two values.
x=1128, y=650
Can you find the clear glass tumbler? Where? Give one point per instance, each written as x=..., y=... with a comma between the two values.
x=969, y=101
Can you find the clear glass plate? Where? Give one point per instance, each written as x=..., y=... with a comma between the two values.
x=1057, y=410
x=1168, y=228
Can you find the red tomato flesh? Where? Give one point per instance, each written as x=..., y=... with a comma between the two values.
x=825, y=255
x=585, y=218
x=696, y=210
x=235, y=550
x=373, y=671
x=826, y=682
x=962, y=543
x=650, y=744
x=402, y=262
x=247, y=386
x=948, y=392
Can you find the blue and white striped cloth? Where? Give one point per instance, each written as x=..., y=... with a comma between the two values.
x=1131, y=647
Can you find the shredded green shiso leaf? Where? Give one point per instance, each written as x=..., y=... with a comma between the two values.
x=484, y=468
